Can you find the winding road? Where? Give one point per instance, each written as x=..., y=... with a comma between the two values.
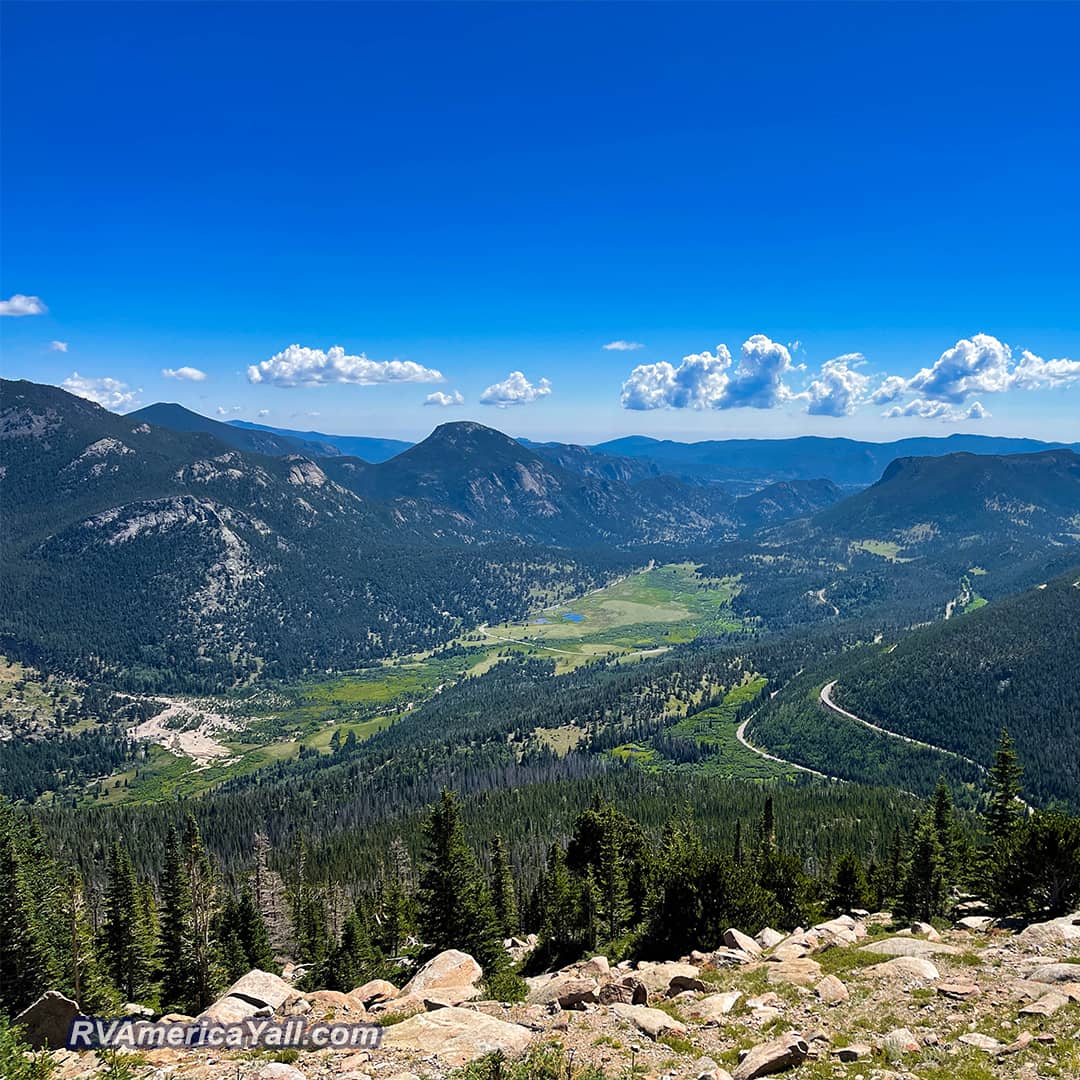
x=827, y=701
x=740, y=734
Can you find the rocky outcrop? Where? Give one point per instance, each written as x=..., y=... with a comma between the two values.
x=772, y=1057
x=452, y=975
x=48, y=1021
x=454, y=1036
x=652, y=1022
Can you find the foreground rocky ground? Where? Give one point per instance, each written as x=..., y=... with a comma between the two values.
x=851, y=998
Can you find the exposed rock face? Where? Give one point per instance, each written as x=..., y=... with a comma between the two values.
x=48, y=1020
x=802, y=972
x=452, y=975
x=735, y=939
x=657, y=977
x=626, y=991
x=904, y=968
x=1055, y=932
x=831, y=990
x=772, y=1057
x=715, y=1006
x=769, y=938
x=652, y=1022
x=455, y=1036
x=375, y=992
x=1056, y=973
x=261, y=988
x=570, y=991
x=911, y=946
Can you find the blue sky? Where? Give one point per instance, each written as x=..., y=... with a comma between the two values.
x=472, y=191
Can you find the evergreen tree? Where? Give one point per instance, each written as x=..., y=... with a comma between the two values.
x=768, y=823
x=1004, y=812
x=456, y=909
x=175, y=944
x=849, y=889
x=122, y=939
x=924, y=893
x=502, y=888
x=737, y=852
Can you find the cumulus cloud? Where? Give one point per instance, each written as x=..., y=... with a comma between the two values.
x=111, y=393
x=300, y=366
x=22, y=305
x=711, y=381
x=840, y=389
x=891, y=388
x=925, y=409
x=263, y=412
x=190, y=374
x=1035, y=373
x=979, y=365
x=58, y=346
x=623, y=346
x=223, y=411
x=515, y=389
x=455, y=397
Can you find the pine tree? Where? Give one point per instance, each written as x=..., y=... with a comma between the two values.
x=768, y=824
x=396, y=913
x=175, y=944
x=1004, y=811
x=456, y=909
x=502, y=888
x=849, y=889
x=122, y=939
x=924, y=892
x=737, y=853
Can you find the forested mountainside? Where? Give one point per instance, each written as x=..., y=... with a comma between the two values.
x=254, y=440
x=750, y=463
x=366, y=447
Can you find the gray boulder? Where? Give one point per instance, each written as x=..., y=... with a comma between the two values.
x=48, y=1020
x=772, y=1057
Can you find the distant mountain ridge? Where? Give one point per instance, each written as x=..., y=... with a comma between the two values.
x=366, y=447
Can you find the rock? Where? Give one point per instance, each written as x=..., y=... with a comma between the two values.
x=899, y=1042
x=924, y=929
x=736, y=939
x=261, y=988
x=959, y=991
x=1047, y=1005
x=728, y=958
x=657, y=977
x=904, y=967
x=772, y=1057
x=1056, y=973
x=831, y=990
x=980, y=1042
x=176, y=1018
x=130, y=1008
x=597, y=967
x=1023, y=1040
x=275, y=1070
x=452, y=975
x=976, y=923
x=804, y=972
x=910, y=946
x=651, y=1022
x=334, y=1001
x=853, y=1052
x=374, y=992
x=714, y=1006
x=768, y=938
x=229, y=1010
x=455, y=1036
x=1054, y=932
x=48, y=1020
x=570, y=991
x=627, y=991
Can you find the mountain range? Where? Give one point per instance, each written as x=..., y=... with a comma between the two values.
x=161, y=548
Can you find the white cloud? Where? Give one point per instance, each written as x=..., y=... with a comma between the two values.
x=976, y=366
x=111, y=393
x=58, y=346
x=710, y=381
x=1035, y=373
x=190, y=374
x=301, y=366
x=23, y=305
x=623, y=346
x=839, y=390
x=938, y=410
x=263, y=412
x=891, y=388
x=223, y=411
x=455, y=397
x=515, y=389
